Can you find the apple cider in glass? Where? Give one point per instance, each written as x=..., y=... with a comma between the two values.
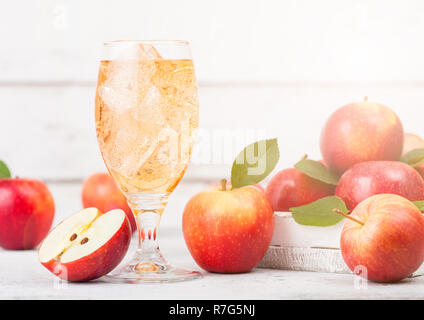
x=146, y=119
x=146, y=116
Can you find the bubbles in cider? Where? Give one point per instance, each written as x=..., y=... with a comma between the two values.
x=146, y=118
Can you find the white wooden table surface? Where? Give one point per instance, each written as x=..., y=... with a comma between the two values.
x=23, y=277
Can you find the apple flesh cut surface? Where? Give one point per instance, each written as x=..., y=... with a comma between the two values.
x=388, y=243
x=359, y=132
x=87, y=245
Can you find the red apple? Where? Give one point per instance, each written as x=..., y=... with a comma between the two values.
x=388, y=240
x=87, y=245
x=100, y=191
x=291, y=188
x=26, y=213
x=361, y=132
x=218, y=185
x=228, y=231
x=410, y=143
x=375, y=177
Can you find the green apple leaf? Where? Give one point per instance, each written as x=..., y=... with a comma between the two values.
x=4, y=170
x=419, y=204
x=418, y=163
x=317, y=171
x=414, y=157
x=320, y=213
x=254, y=163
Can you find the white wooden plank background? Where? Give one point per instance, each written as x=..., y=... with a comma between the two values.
x=279, y=67
x=48, y=131
x=253, y=40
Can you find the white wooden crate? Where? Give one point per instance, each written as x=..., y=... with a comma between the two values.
x=307, y=248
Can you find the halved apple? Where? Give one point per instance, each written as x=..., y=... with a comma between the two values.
x=87, y=245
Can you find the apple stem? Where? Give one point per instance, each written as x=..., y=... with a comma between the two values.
x=338, y=211
x=224, y=184
x=365, y=99
x=305, y=156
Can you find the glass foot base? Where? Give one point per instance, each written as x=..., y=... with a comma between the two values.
x=148, y=272
x=148, y=264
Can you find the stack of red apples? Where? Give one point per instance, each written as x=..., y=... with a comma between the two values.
x=370, y=168
x=378, y=173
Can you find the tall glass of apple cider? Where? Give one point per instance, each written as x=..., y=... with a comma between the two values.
x=146, y=120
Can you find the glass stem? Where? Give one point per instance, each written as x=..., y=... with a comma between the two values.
x=148, y=209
